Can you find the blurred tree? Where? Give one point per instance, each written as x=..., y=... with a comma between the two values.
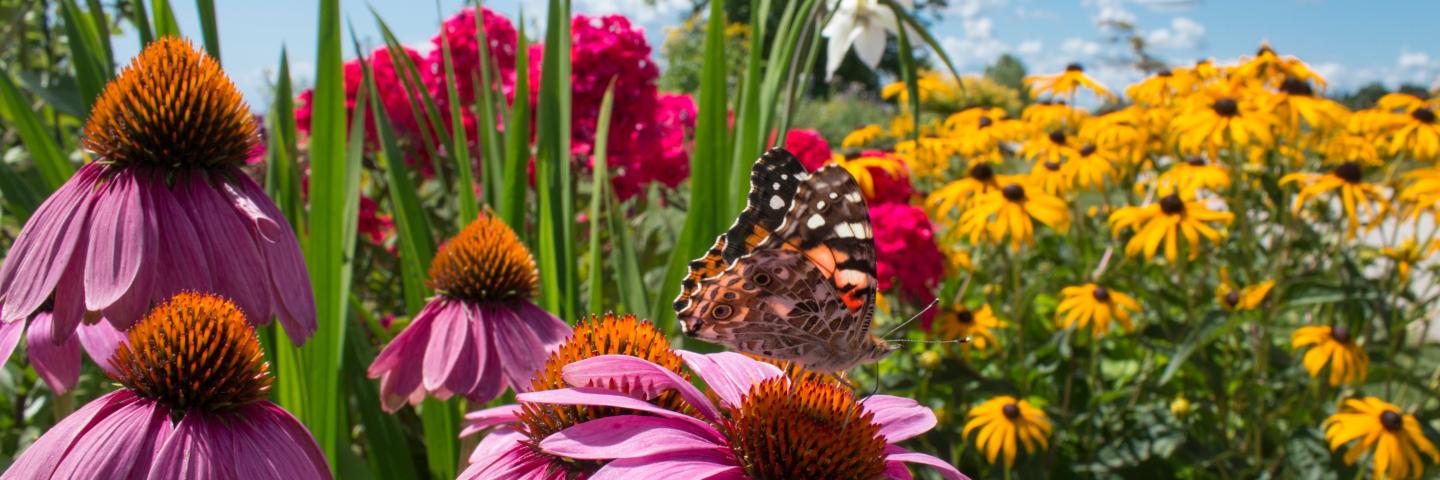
x=1368, y=94
x=684, y=54
x=1009, y=71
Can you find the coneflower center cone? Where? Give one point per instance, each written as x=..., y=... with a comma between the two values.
x=172, y=107
x=804, y=429
x=194, y=351
x=485, y=262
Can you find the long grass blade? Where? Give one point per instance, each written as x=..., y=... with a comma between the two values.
x=600, y=182
x=164, y=19
x=283, y=180
x=389, y=450
x=909, y=76
x=141, y=20
x=415, y=242
x=209, y=29
x=514, y=187
x=914, y=24
x=492, y=143
x=459, y=150
x=53, y=167
x=422, y=104
x=441, y=422
x=87, y=56
x=102, y=32
x=553, y=184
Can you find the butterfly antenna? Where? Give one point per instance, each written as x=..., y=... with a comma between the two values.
x=927, y=308
x=958, y=340
x=875, y=390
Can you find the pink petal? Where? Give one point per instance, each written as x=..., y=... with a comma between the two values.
x=100, y=341
x=450, y=360
x=730, y=375
x=401, y=362
x=117, y=241
x=292, y=297
x=549, y=329
x=9, y=338
x=195, y=450
x=517, y=463
x=496, y=443
x=627, y=436
x=69, y=311
x=637, y=372
x=270, y=443
x=900, y=418
x=521, y=352
x=711, y=464
x=55, y=235
x=119, y=445
x=492, y=376
x=894, y=454
x=58, y=363
x=606, y=398
x=181, y=251
x=41, y=458
x=482, y=419
x=236, y=266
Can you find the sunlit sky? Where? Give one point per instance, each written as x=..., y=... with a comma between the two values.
x=1351, y=43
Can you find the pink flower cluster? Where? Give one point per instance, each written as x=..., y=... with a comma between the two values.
x=905, y=247
x=808, y=146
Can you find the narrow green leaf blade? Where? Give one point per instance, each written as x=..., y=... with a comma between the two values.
x=165, y=24
x=598, y=194
x=459, y=150
x=53, y=167
x=209, y=29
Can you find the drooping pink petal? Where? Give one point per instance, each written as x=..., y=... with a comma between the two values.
x=270, y=443
x=237, y=268
x=181, y=251
x=894, y=454
x=450, y=360
x=627, y=436
x=69, y=311
x=900, y=418
x=41, y=458
x=117, y=245
x=196, y=450
x=58, y=363
x=119, y=445
x=549, y=329
x=100, y=341
x=710, y=464
x=607, y=398
x=482, y=419
x=400, y=364
x=55, y=235
x=637, y=372
x=521, y=352
x=730, y=375
x=293, y=300
x=492, y=379
x=518, y=463
x=9, y=338
x=496, y=443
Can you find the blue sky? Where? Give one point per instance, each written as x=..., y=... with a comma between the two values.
x=1351, y=43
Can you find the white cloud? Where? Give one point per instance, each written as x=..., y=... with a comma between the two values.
x=1035, y=14
x=1029, y=47
x=1079, y=47
x=973, y=8
x=639, y=11
x=1410, y=59
x=1182, y=34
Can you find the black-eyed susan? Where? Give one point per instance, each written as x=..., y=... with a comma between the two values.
x=977, y=133
x=1333, y=346
x=928, y=84
x=1004, y=424
x=1202, y=72
x=1053, y=146
x=1406, y=255
x=1393, y=437
x=1355, y=194
x=1422, y=193
x=1235, y=297
x=958, y=322
x=1096, y=306
x=927, y=156
x=1352, y=146
x=863, y=136
x=1417, y=134
x=1271, y=68
x=1194, y=173
x=865, y=166
x=1008, y=211
x=1220, y=116
x=1066, y=83
x=1160, y=89
x=1089, y=167
x=1167, y=221
x=1051, y=178
x=1045, y=116
x=957, y=195
x=1127, y=132
x=1296, y=101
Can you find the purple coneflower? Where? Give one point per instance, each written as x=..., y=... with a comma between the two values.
x=480, y=333
x=193, y=406
x=163, y=208
x=512, y=449
x=58, y=362
x=761, y=425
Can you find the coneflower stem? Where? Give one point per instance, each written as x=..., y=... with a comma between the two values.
x=64, y=405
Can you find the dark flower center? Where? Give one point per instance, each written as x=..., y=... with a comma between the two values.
x=484, y=262
x=1087, y=150
x=1052, y=166
x=1011, y=411
x=965, y=317
x=1226, y=107
x=985, y=122
x=1172, y=204
x=1424, y=115
x=1349, y=172
x=787, y=429
x=982, y=172
x=1340, y=334
x=194, y=352
x=1014, y=192
x=1295, y=86
x=1232, y=299
x=1196, y=161
x=1391, y=420
x=1074, y=67
x=1101, y=294
x=1058, y=137
x=1165, y=73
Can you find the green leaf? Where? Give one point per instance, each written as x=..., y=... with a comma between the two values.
x=283, y=179
x=908, y=74
x=19, y=192
x=165, y=24
x=492, y=143
x=516, y=183
x=208, y=27
x=141, y=20
x=459, y=150
x=441, y=421
x=415, y=243
x=553, y=183
x=87, y=56
x=102, y=32
x=422, y=104
x=64, y=96
x=909, y=20
x=53, y=167
x=598, y=195
x=388, y=449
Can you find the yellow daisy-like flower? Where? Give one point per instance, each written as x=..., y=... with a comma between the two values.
x=928, y=157
x=958, y=322
x=976, y=133
x=1089, y=167
x=1405, y=102
x=1351, y=146
x=1051, y=178
x=1418, y=135
x=1236, y=298
x=1422, y=193
x=1126, y=131
x=1064, y=84
x=1271, y=68
x=927, y=85
x=1005, y=423
x=1406, y=255
x=1166, y=221
x=958, y=194
x=1008, y=211
x=1394, y=437
x=1296, y=101
x=1046, y=116
x=1354, y=193
x=1159, y=89
x=863, y=136
x=859, y=168
x=1096, y=306
x=1335, y=347
x=1050, y=147
x=1204, y=71
x=1193, y=174
x=1220, y=116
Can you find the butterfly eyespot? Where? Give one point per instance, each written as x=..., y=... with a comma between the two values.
x=721, y=312
x=762, y=279
x=731, y=296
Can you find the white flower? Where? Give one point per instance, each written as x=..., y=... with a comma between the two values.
x=861, y=23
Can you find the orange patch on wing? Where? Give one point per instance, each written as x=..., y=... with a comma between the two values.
x=824, y=258
x=756, y=236
x=707, y=266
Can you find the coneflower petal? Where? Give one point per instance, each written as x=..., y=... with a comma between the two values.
x=894, y=454
x=489, y=386
x=240, y=272
x=194, y=450
x=117, y=247
x=710, y=464
x=603, y=398
x=56, y=360
x=100, y=340
x=628, y=436
x=118, y=443
x=54, y=237
x=9, y=338
x=449, y=352
x=181, y=251
x=69, y=302
x=290, y=292
x=899, y=418
x=728, y=374
x=517, y=344
x=271, y=443
x=638, y=371
x=482, y=419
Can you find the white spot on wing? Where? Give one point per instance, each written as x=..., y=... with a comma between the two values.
x=802, y=176
x=815, y=221
x=853, y=197
x=775, y=186
x=862, y=231
x=834, y=195
x=844, y=231
x=776, y=202
x=784, y=176
x=820, y=205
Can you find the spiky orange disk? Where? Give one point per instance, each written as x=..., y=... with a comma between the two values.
x=172, y=107
x=194, y=351
x=608, y=335
x=804, y=429
x=485, y=262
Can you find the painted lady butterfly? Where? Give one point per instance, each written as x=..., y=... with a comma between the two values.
x=794, y=278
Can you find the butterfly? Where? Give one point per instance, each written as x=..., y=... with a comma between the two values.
x=794, y=278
